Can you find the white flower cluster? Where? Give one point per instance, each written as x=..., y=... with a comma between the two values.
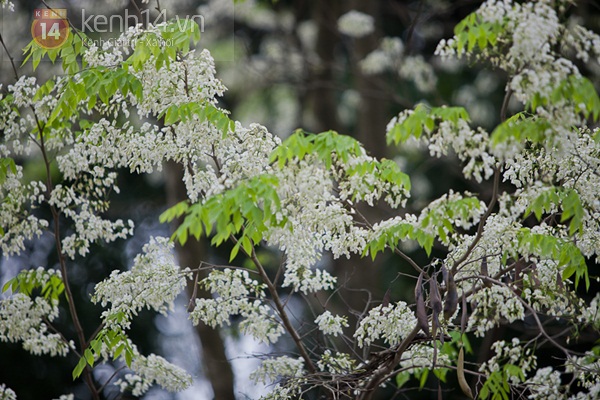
x=389, y=56
x=69, y=396
x=591, y=315
x=331, y=324
x=418, y=71
x=7, y=4
x=494, y=305
x=18, y=118
x=235, y=292
x=290, y=390
x=356, y=24
x=368, y=187
x=282, y=367
x=152, y=370
x=22, y=319
x=316, y=222
x=545, y=292
x=533, y=34
x=88, y=225
x=586, y=370
x=470, y=146
x=153, y=282
x=439, y=210
x=510, y=353
x=18, y=223
x=391, y=323
x=191, y=79
x=545, y=385
x=339, y=364
x=573, y=167
x=421, y=356
x=7, y=393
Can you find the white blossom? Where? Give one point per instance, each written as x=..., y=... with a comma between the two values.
x=331, y=324
x=153, y=282
x=510, y=353
x=7, y=393
x=22, y=320
x=273, y=369
x=356, y=24
x=492, y=305
x=336, y=364
x=421, y=356
x=7, y=4
x=150, y=370
x=545, y=385
x=392, y=323
x=237, y=294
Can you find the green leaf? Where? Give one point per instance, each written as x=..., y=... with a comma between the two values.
x=402, y=378
x=89, y=357
x=79, y=368
x=423, y=378
x=128, y=357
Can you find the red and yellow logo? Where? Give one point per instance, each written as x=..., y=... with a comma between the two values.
x=50, y=28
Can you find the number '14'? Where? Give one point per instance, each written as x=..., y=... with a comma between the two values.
x=53, y=32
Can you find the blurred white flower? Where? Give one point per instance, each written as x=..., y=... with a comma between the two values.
x=356, y=24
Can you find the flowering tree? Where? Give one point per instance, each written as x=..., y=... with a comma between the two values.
x=518, y=256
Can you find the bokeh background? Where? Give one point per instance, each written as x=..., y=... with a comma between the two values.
x=286, y=65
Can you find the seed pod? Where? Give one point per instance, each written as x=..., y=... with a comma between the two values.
x=484, y=272
x=559, y=282
x=463, y=318
x=460, y=371
x=421, y=312
x=451, y=299
x=436, y=304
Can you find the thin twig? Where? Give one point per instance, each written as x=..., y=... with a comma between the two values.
x=280, y=307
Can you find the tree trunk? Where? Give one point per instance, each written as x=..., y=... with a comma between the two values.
x=216, y=366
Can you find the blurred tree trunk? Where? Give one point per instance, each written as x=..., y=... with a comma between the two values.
x=216, y=366
x=322, y=95
x=360, y=279
x=373, y=111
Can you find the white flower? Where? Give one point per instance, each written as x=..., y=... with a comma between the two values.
x=331, y=324
x=356, y=24
x=275, y=368
x=545, y=385
x=7, y=393
x=510, y=353
x=391, y=323
x=7, y=4
x=492, y=305
x=421, y=356
x=234, y=292
x=338, y=364
x=150, y=370
x=22, y=319
x=153, y=282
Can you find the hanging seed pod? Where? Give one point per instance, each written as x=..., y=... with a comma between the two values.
x=460, y=371
x=421, y=312
x=436, y=304
x=484, y=272
x=451, y=299
x=559, y=282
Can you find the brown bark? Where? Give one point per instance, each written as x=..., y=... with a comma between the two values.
x=322, y=94
x=372, y=114
x=216, y=366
